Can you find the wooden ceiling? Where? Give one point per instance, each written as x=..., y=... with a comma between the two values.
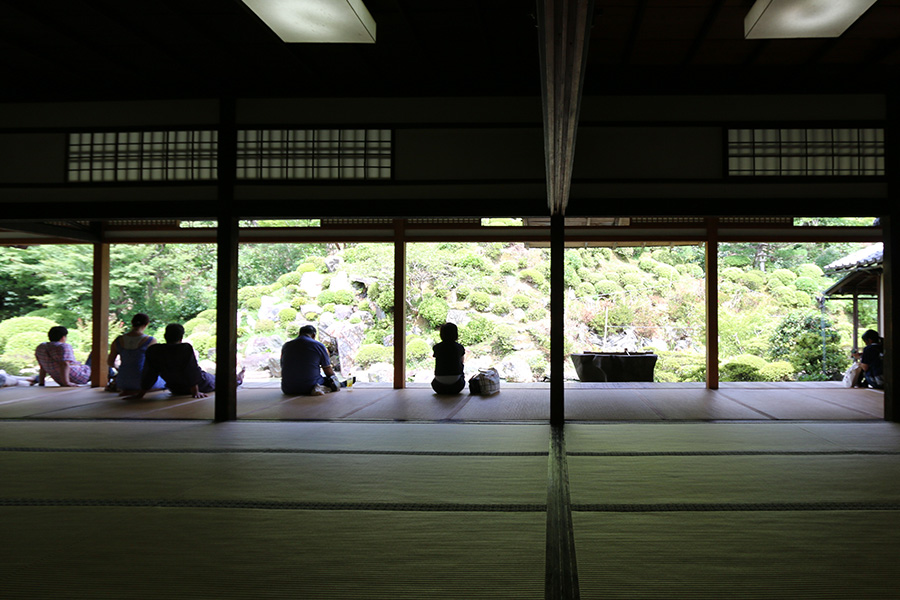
x=119, y=49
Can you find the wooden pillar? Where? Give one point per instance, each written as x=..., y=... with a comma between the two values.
x=557, y=319
x=891, y=401
x=712, y=304
x=100, y=317
x=226, y=266
x=399, y=304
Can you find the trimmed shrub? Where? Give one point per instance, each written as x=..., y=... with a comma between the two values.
x=11, y=327
x=434, y=310
x=521, y=301
x=369, y=354
x=744, y=367
x=202, y=343
x=508, y=267
x=196, y=324
x=253, y=303
x=19, y=351
x=754, y=280
x=607, y=288
x=480, y=301
x=476, y=331
x=785, y=276
x=532, y=276
x=462, y=292
x=209, y=314
x=290, y=278
x=306, y=268
x=538, y=313
x=265, y=326
x=286, y=316
x=777, y=371
x=60, y=316
x=297, y=302
x=501, y=308
x=809, y=270
x=807, y=284
x=418, y=349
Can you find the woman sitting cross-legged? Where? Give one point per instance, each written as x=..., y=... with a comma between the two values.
x=449, y=377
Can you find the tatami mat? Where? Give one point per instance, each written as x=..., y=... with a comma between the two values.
x=115, y=553
x=96, y=509
x=846, y=555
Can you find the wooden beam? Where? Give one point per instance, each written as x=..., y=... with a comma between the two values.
x=100, y=317
x=563, y=35
x=712, y=305
x=399, y=305
x=226, y=268
x=557, y=320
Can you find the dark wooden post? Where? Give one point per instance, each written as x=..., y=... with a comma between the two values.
x=891, y=404
x=557, y=319
x=100, y=317
x=227, y=266
x=712, y=304
x=399, y=304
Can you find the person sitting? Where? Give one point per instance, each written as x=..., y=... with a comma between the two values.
x=301, y=361
x=131, y=349
x=871, y=360
x=176, y=363
x=7, y=380
x=449, y=377
x=56, y=359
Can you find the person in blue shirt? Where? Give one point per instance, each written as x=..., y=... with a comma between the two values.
x=303, y=362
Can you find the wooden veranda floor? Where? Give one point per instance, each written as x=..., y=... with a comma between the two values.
x=263, y=400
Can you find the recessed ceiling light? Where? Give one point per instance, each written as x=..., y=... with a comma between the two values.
x=802, y=18
x=317, y=21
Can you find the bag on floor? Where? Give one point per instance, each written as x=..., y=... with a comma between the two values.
x=850, y=375
x=485, y=382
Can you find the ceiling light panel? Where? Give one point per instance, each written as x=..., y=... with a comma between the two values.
x=317, y=21
x=802, y=18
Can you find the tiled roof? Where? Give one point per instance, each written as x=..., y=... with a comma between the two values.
x=864, y=257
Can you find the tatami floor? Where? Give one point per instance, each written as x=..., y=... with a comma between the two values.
x=358, y=510
x=104, y=498
x=514, y=403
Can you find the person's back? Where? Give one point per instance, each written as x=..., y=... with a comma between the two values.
x=449, y=375
x=175, y=363
x=301, y=359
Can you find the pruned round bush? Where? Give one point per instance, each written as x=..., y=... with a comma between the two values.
x=521, y=301
x=777, y=371
x=754, y=280
x=286, y=316
x=196, y=324
x=369, y=354
x=732, y=274
x=471, y=261
x=538, y=313
x=297, y=302
x=202, y=343
x=606, y=287
x=476, y=331
x=508, y=267
x=434, y=310
x=60, y=316
x=265, y=326
x=18, y=354
x=209, y=314
x=809, y=270
x=11, y=327
x=736, y=260
x=807, y=284
x=462, y=292
x=480, y=301
x=253, y=303
x=501, y=308
x=532, y=276
x=744, y=367
x=290, y=278
x=306, y=268
x=418, y=349
x=250, y=291
x=785, y=276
